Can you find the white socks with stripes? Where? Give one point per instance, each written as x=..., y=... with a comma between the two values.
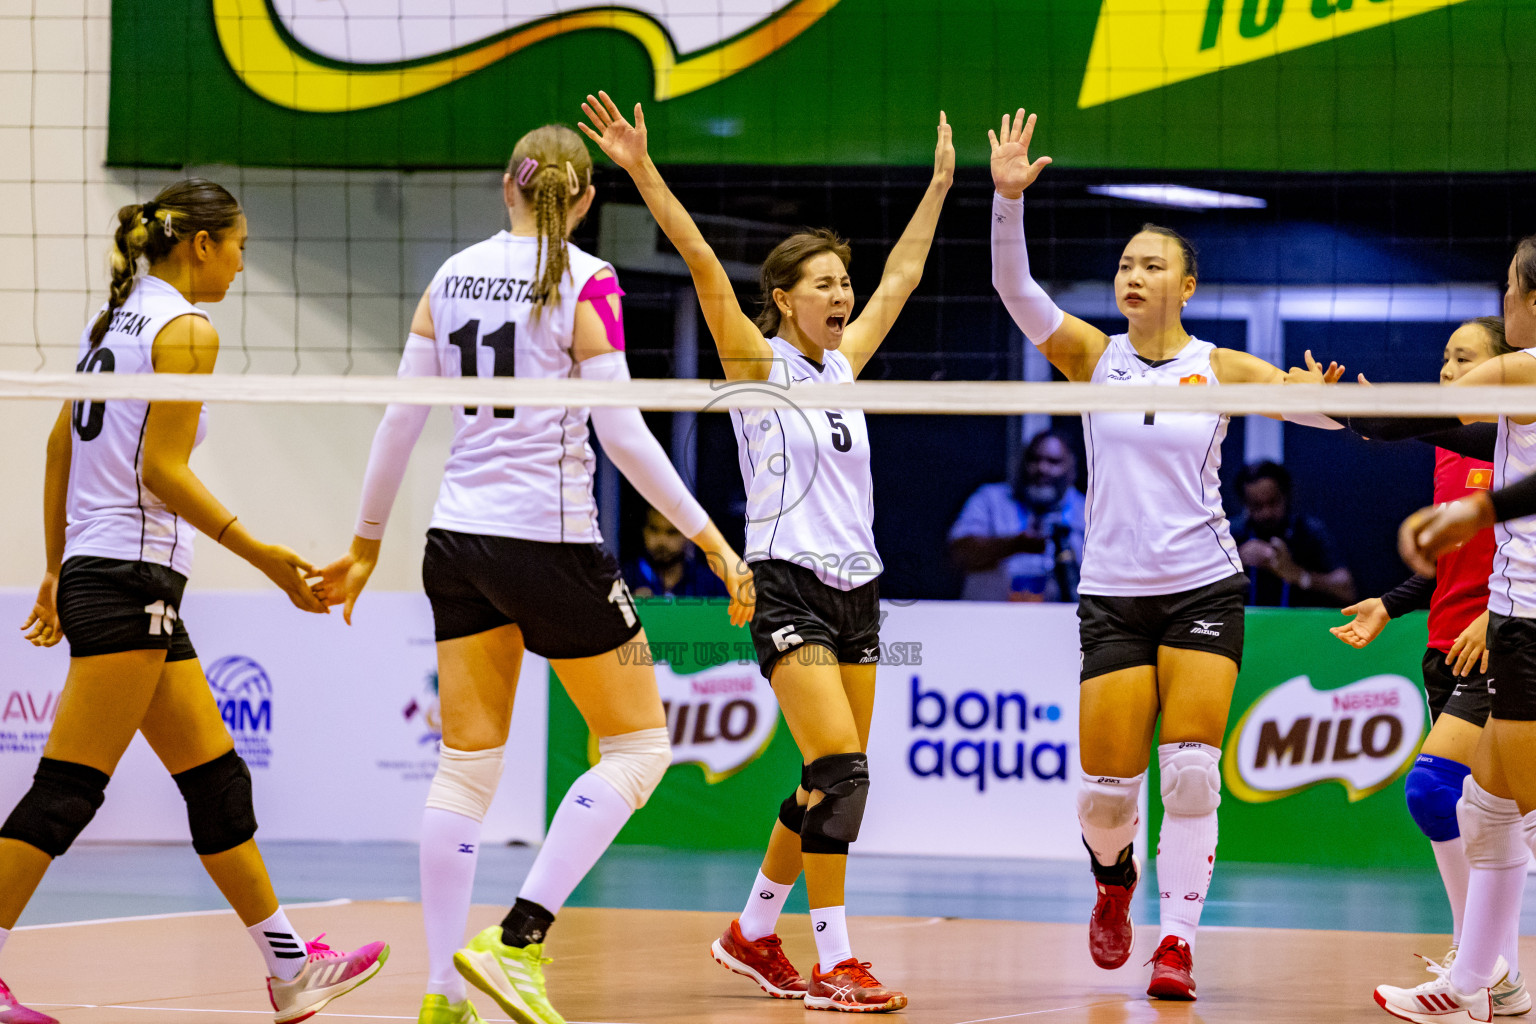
x=280, y=946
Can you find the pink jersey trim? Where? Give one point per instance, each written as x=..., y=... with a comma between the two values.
x=613, y=320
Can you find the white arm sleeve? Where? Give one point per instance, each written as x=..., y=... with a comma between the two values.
x=1037, y=316
x=392, y=442
x=638, y=455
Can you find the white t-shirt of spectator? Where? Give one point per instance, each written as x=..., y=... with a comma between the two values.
x=993, y=511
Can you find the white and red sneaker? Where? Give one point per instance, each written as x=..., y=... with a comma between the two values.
x=327, y=973
x=1438, y=1001
x=1110, y=932
x=1173, y=967
x=12, y=1012
x=762, y=960
x=850, y=987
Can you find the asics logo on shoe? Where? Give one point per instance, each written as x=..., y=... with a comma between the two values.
x=1207, y=628
x=842, y=991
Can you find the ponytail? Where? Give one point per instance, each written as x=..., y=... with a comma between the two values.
x=151, y=230
x=552, y=168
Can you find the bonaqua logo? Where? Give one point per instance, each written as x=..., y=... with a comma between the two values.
x=991, y=741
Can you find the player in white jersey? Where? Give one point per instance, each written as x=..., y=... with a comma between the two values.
x=1497, y=809
x=120, y=506
x=810, y=542
x=514, y=561
x=1162, y=587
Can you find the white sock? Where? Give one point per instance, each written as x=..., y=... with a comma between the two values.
x=450, y=848
x=1451, y=856
x=280, y=946
x=832, y=946
x=1510, y=951
x=1186, y=855
x=761, y=914
x=1493, y=903
x=583, y=827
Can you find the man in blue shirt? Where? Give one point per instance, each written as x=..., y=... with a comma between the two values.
x=667, y=566
x=1022, y=540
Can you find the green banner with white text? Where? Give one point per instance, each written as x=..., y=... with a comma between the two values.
x=1279, y=85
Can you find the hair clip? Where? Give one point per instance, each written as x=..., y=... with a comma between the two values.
x=525, y=171
x=165, y=223
x=570, y=176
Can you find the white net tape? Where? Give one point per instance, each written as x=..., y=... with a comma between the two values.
x=941, y=397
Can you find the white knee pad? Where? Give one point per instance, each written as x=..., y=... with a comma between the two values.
x=634, y=763
x=1108, y=803
x=1490, y=828
x=1191, y=778
x=466, y=781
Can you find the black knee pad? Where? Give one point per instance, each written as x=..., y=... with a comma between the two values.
x=792, y=814
x=843, y=781
x=219, y=808
x=62, y=801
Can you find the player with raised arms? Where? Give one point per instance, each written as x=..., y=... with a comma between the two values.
x=810, y=543
x=120, y=510
x=1456, y=661
x=1496, y=814
x=1162, y=587
x=514, y=561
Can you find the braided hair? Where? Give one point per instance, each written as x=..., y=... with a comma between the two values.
x=153, y=229
x=552, y=169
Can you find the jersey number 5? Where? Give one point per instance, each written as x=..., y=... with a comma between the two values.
x=501, y=342
x=842, y=437
x=88, y=416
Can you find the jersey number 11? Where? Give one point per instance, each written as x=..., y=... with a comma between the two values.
x=502, y=343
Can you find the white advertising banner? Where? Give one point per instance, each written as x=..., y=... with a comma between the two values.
x=973, y=748
x=339, y=725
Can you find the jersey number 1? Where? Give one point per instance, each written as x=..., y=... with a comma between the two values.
x=502, y=343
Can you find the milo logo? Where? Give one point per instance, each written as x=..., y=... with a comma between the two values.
x=720, y=719
x=1362, y=736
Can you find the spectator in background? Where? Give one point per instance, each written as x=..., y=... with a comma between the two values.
x=1289, y=556
x=667, y=567
x=1022, y=540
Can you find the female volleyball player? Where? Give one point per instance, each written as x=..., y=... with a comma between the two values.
x=811, y=546
x=1456, y=662
x=513, y=561
x=1497, y=810
x=120, y=507
x=1162, y=585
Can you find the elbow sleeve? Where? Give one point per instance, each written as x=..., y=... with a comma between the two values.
x=1031, y=308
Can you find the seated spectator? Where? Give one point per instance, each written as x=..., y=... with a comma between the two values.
x=1022, y=540
x=667, y=566
x=1289, y=556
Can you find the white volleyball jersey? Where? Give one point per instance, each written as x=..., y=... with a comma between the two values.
x=1155, y=524
x=1512, y=583
x=524, y=473
x=111, y=514
x=809, y=496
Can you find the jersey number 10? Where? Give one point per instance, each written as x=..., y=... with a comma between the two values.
x=502, y=343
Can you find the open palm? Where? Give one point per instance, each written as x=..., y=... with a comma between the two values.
x=1012, y=171
x=624, y=143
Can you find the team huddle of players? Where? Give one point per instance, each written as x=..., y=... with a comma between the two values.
x=513, y=562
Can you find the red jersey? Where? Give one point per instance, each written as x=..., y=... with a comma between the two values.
x=1461, y=575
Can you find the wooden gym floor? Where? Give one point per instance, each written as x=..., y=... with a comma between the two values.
x=653, y=967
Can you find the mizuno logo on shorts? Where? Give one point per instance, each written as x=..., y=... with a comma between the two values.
x=1206, y=628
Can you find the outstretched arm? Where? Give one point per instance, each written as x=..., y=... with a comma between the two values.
x=1233, y=366
x=1072, y=345
x=744, y=352
x=904, y=267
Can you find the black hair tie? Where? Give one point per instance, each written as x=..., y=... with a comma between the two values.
x=148, y=211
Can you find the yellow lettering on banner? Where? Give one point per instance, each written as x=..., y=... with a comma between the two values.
x=270, y=66
x=1140, y=45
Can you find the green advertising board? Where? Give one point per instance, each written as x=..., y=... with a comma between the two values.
x=1318, y=742
x=736, y=760
x=1278, y=85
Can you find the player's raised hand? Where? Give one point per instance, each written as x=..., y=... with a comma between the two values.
x=1012, y=171
x=1370, y=618
x=624, y=143
x=944, y=154
x=1314, y=372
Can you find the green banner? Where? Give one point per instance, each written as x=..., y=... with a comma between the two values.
x=1317, y=745
x=1277, y=85
x=734, y=760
